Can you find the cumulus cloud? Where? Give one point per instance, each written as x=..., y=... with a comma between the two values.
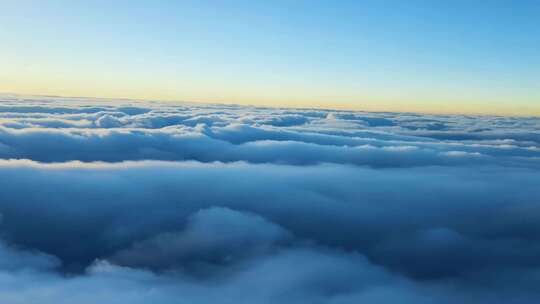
x=89, y=131
x=141, y=202
x=213, y=238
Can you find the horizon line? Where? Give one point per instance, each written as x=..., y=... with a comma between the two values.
x=227, y=103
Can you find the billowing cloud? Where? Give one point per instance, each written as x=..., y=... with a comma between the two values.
x=145, y=202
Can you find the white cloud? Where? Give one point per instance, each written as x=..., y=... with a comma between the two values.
x=137, y=202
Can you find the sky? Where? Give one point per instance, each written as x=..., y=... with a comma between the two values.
x=419, y=55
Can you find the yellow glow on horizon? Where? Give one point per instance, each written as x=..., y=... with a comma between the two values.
x=375, y=99
x=374, y=106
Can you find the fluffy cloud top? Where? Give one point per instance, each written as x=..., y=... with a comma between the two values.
x=137, y=202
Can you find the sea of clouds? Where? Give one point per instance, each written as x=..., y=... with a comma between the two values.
x=118, y=201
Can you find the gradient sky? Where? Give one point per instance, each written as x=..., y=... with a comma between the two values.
x=421, y=55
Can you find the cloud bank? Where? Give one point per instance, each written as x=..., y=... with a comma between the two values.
x=137, y=202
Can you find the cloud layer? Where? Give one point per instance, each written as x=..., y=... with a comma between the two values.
x=133, y=202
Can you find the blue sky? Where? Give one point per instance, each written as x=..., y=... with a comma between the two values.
x=434, y=56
